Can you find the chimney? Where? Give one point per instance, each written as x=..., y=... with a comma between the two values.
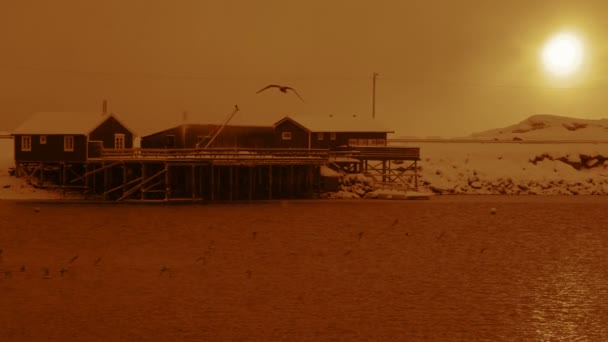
x=104, y=107
x=185, y=116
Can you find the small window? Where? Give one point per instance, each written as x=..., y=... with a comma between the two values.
x=42, y=139
x=332, y=136
x=286, y=135
x=352, y=142
x=320, y=136
x=26, y=143
x=119, y=141
x=68, y=143
x=380, y=142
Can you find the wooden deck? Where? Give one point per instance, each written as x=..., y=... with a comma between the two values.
x=386, y=153
x=267, y=155
x=217, y=156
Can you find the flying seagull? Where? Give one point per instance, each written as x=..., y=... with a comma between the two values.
x=283, y=89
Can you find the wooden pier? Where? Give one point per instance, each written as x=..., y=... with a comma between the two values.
x=211, y=174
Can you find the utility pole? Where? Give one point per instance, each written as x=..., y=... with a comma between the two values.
x=374, y=95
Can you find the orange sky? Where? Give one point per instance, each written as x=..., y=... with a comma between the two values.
x=446, y=67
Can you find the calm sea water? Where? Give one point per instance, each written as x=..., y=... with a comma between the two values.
x=439, y=270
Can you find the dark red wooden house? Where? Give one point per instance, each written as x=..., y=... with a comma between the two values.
x=329, y=132
x=189, y=135
x=68, y=137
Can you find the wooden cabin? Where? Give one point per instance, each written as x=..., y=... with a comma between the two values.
x=199, y=135
x=69, y=137
x=329, y=132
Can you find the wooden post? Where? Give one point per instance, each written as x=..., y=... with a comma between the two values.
x=416, y=174
x=251, y=180
x=167, y=182
x=280, y=181
x=193, y=182
x=230, y=180
x=237, y=184
x=86, y=179
x=94, y=181
x=219, y=183
x=310, y=181
x=105, y=182
x=212, y=194
x=291, y=181
x=200, y=181
x=124, y=176
x=143, y=179
x=270, y=181
x=260, y=177
x=384, y=171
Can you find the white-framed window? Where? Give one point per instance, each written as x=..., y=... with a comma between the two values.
x=42, y=139
x=332, y=136
x=119, y=141
x=366, y=142
x=68, y=143
x=26, y=143
x=286, y=135
x=320, y=136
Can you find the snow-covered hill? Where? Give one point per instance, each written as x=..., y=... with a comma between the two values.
x=550, y=127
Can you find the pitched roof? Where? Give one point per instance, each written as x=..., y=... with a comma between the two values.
x=240, y=119
x=338, y=124
x=62, y=123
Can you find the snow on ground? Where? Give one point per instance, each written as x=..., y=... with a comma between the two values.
x=498, y=168
x=537, y=162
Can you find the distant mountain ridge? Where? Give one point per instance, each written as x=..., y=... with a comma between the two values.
x=549, y=127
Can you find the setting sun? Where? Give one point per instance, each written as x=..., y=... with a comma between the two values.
x=563, y=54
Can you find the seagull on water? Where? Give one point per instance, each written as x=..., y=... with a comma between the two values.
x=283, y=89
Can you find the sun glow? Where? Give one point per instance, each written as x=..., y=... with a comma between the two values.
x=563, y=54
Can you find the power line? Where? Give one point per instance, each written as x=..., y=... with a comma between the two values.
x=415, y=82
x=147, y=74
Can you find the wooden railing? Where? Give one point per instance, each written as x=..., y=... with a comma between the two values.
x=261, y=154
x=218, y=154
x=387, y=153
